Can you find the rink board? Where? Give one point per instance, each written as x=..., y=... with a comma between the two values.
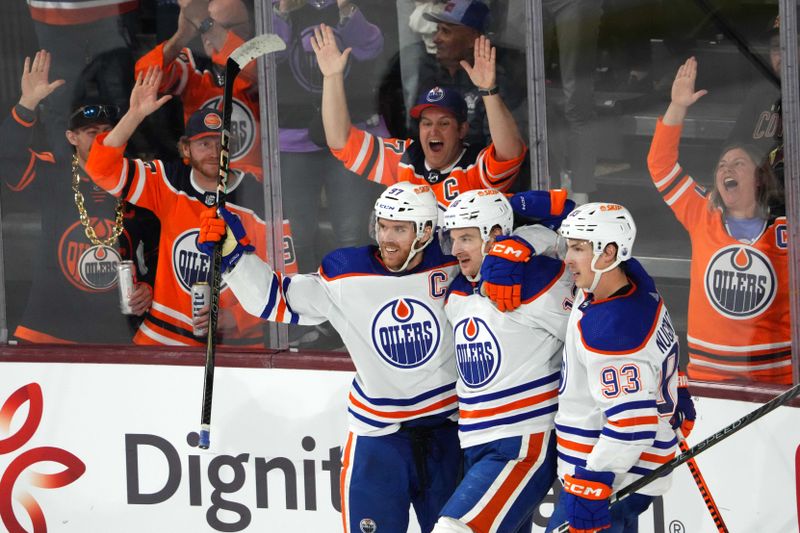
x=273, y=463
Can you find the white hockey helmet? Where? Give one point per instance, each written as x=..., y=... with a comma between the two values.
x=601, y=224
x=405, y=201
x=481, y=208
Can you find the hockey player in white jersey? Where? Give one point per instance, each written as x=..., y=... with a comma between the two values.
x=387, y=303
x=619, y=376
x=508, y=366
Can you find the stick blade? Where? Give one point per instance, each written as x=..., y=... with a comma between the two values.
x=255, y=47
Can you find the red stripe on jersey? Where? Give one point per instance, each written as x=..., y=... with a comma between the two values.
x=576, y=446
x=635, y=421
x=491, y=512
x=513, y=406
x=38, y=337
x=404, y=414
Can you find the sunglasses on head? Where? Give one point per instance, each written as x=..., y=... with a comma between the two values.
x=96, y=112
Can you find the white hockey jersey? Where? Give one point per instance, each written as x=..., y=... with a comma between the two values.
x=619, y=385
x=509, y=363
x=393, y=325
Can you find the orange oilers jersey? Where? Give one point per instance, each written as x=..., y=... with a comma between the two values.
x=388, y=161
x=739, y=293
x=170, y=191
x=201, y=88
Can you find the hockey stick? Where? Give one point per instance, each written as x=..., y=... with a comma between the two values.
x=697, y=449
x=700, y=481
x=239, y=58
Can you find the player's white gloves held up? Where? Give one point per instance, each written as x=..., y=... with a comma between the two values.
x=502, y=270
x=228, y=230
x=682, y=420
x=586, y=497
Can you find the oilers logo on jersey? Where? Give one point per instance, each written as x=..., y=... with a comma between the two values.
x=90, y=268
x=477, y=352
x=189, y=264
x=405, y=333
x=740, y=282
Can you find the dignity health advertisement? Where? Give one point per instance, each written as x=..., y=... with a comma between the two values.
x=98, y=448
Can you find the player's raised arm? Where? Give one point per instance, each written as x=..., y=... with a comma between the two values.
x=144, y=101
x=332, y=63
x=507, y=141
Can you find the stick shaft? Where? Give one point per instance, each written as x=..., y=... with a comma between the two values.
x=231, y=71
x=705, y=492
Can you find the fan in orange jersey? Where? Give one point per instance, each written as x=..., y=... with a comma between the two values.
x=738, y=300
x=222, y=27
x=177, y=194
x=440, y=158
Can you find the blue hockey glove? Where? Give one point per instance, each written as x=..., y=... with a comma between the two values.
x=548, y=208
x=502, y=269
x=683, y=419
x=228, y=230
x=585, y=499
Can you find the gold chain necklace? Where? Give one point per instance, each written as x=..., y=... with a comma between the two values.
x=84, y=216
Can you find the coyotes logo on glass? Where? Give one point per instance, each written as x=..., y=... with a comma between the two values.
x=405, y=333
x=477, y=352
x=89, y=267
x=740, y=282
x=18, y=477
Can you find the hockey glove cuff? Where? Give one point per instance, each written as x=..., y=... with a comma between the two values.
x=548, y=208
x=229, y=230
x=682, y=420
x=502, y=271
x=586, y=495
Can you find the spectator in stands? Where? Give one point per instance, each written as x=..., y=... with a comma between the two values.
x=221, y=26
x=458, y=25
x=307, y=167
x=177, y=193
x=575, y=23
x=440, y=158
x=92, y=44
x=85, y=232
x=739, y=326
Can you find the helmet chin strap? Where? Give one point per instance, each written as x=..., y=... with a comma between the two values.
x=598, y=273
x=414, y=251
x=484, y=252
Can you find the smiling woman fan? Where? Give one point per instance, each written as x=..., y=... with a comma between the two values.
x=738, y=299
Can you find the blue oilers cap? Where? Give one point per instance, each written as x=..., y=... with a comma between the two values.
x=444, y=98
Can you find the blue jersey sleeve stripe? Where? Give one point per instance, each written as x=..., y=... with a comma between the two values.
x=273, y=293
x=512, y=391
x=640, y=470
x=571, y=459
x=366, y=420
x=589, y=433
x=630, y=406
x=405, y=401
x=627, y=437
x=665, y=445
x=509, y=420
